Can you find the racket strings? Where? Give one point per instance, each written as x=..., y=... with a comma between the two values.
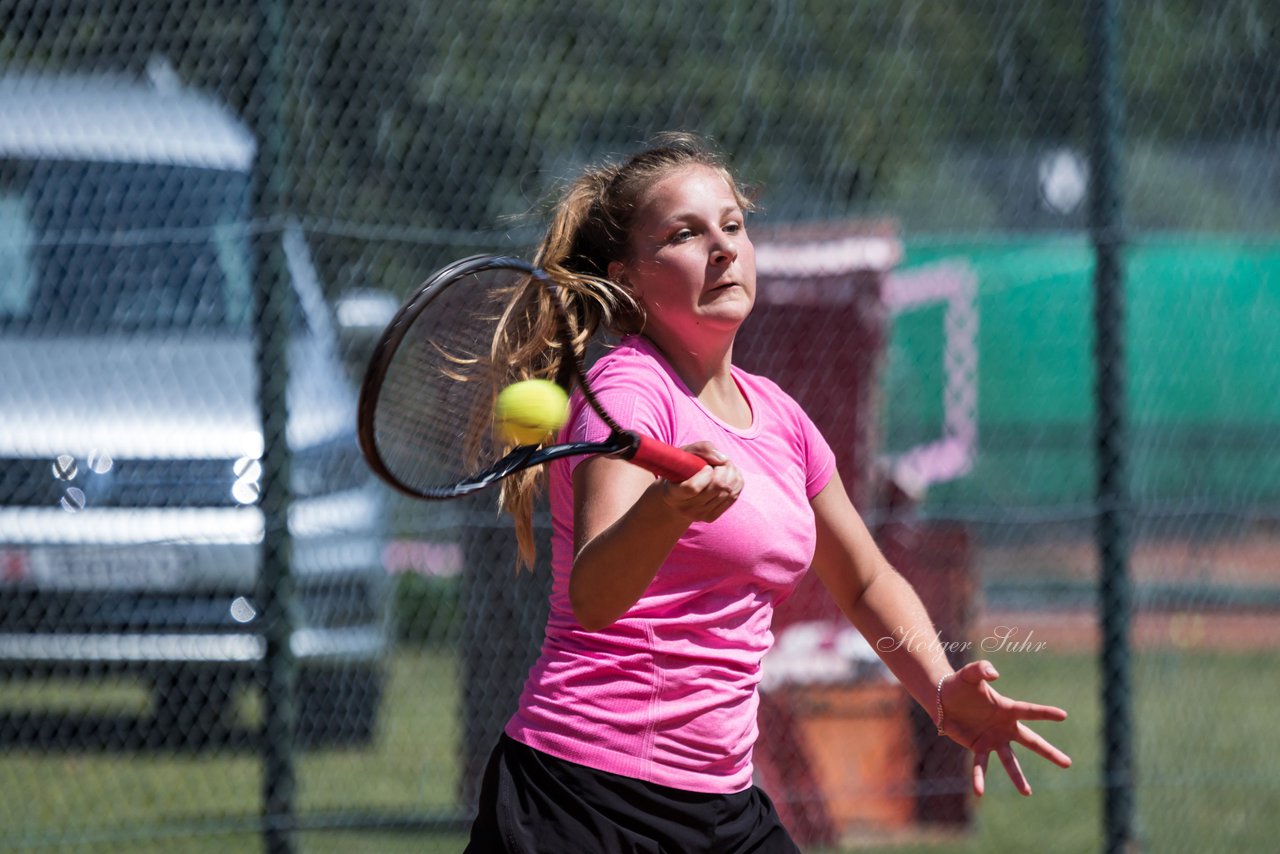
x=531, y=334
x=551, y=325
x=433, y=425
x=479, y=333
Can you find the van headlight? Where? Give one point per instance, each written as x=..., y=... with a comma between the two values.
x=246, y=488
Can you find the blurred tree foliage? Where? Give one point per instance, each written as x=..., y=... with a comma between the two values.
x=418, y=123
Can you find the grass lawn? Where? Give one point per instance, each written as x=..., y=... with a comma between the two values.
x=1205, y=743
x=208, y=801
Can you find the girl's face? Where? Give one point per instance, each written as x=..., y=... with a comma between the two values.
x=689, y=260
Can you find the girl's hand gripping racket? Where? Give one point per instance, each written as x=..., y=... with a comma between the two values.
x=426, y=404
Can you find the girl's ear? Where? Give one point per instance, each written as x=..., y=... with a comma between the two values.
x=617, y=273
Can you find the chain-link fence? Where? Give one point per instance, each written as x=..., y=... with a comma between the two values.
x=206, y=208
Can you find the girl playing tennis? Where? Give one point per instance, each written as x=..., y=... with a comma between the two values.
x=635, y=728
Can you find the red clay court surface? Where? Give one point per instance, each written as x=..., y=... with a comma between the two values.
x=1078, y=631
x=1240, y=564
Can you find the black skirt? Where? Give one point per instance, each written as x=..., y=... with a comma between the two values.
x=533, y=803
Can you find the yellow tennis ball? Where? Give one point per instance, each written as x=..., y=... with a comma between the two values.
x=528, y=412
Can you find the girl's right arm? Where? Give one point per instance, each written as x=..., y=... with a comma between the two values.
x=626, y=523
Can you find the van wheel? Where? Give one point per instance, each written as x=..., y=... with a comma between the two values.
x=338, y=705
x=192, y=708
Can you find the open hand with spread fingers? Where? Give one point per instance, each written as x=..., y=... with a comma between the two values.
x=972, y=713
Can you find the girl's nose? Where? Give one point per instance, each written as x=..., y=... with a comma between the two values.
x=724, y=251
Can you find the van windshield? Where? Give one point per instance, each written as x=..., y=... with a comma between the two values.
x=99, y=248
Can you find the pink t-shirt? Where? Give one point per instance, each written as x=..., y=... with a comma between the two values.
x=667, y=693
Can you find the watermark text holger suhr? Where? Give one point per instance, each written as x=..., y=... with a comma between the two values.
x=1001, y=639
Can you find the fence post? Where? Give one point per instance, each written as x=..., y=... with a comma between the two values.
x=1106, y=227
x=273, y=306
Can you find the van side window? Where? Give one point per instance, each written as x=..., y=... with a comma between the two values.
x=17, y=278
x=229, y=244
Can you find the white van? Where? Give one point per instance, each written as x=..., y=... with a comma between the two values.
x=129, y=430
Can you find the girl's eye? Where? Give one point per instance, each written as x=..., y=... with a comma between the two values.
x=733, y=227
x=682, y=235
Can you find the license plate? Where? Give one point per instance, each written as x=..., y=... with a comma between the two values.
x=107, y=568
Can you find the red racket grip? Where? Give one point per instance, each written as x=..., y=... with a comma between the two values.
x=663, y=460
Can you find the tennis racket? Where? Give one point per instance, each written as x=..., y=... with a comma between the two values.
x=425, y=416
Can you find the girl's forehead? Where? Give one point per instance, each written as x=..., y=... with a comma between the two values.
x=684, y=186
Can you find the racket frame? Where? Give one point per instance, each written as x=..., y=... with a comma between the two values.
x=671, y=463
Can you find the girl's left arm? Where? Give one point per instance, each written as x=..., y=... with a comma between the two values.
x=886, y=610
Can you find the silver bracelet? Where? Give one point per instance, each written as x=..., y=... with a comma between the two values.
x=941, y=714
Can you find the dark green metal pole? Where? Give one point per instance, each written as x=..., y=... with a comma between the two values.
x=273, y=307
x=1106, y=227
